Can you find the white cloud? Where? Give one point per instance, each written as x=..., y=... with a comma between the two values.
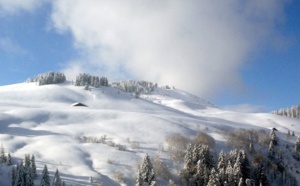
x=8, y=7
x=247, y=108
x=199, y=46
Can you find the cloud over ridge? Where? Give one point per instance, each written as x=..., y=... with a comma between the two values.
x=196, y=45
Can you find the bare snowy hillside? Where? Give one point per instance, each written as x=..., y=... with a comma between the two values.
x=109, y=138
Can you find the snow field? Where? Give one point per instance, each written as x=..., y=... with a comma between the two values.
x=39, y=120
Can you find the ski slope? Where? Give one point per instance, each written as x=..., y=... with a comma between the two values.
x=40, y=120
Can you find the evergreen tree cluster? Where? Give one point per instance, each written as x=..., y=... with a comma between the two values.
x=146, y=173
x=293, y=112
x=3, y=157
x=132, y=86
x=232, y=169
x=24, y=173
x=45, y=181
x=48, y=78
x=87, y=79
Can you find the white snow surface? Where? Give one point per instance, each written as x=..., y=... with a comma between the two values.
x=40, y=120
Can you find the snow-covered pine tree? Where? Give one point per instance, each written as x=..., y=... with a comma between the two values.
x=3, y=157
x=29, y=179
x=213, y=178
x=297, y=149
x=245, y=166
x=33, y=166
x=20, y=175
x=229, y=174
x=273, y=137
x=146, y=170
x=56, y=180
x=206, y=157
x=189, y=166
x=48, y=78
x=202, y=175
x=188, y=160
x=13, y=175
x=237, y=170
x=45, y=181
x=9, y=160
x=233, y=156
x=139, y=180
x=262, y=178
x=27, y=161
x=196, y=154
x=271, y=150
x=221, y=167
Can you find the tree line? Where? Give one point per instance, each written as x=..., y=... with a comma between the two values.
x=48, y=78
x=293, y=112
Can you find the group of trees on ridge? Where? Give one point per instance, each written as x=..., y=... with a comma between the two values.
x=48, y=78
x=133, y=86
x=85, y=79
x=89, y=80
x=293, y=112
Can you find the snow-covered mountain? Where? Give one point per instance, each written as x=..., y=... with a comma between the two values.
x=41, y=120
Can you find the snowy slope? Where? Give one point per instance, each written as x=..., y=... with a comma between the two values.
x=40, y=120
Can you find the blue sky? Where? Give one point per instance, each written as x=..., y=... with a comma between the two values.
x=246, y=56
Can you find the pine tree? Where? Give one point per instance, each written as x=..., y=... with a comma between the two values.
x=9, y=161
x=206, y=157
x=196, y=153
x=262, y=179
x=245, y=165
x=297, y=149
x=189, y=164
x=188, y=160
x=33, y=167
x=45, y=181
x=229, y=174
x=139, y=180
x=13, y=175
x=2, y=154
x=273, y=137
x=29, y=179
x=202, y=175
x=222, y=167
x=213, y=178
x=20, y=176
x=146, y=171
x=237, y=170
x=57, y=180
x=27, y=161
x=271, y=152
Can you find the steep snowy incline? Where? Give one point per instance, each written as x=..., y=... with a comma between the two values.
x=40, y=120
